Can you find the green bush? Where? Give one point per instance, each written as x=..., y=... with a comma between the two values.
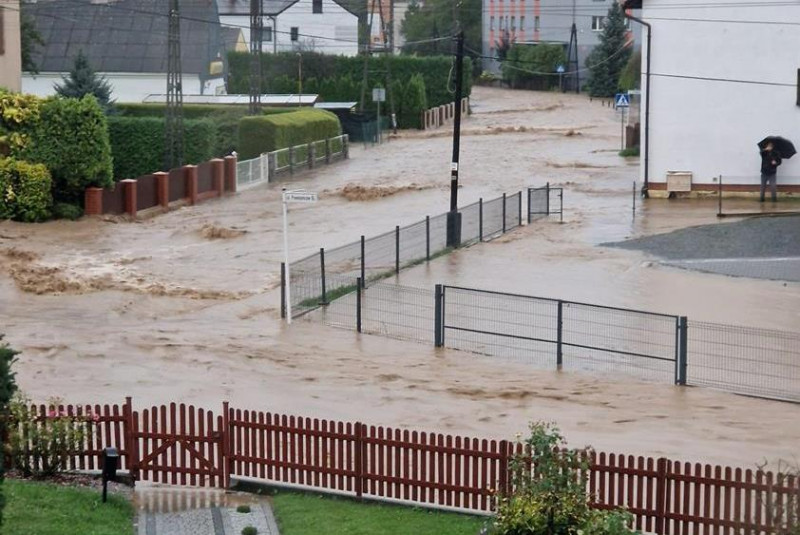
x=522, y=61
x=63, y=210
x=265, y=134
x=552, y=499
x=243, y=509
x=18, y=114
x=414, y=103
x=249, y=530
x=339, y=78
x=8, y=387
x=138, y=144
x=71, y=139
x=25, y=191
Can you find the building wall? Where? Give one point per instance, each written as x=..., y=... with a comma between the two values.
x=711, y=127
x=125, y=87
x=10, y=59
x=554, y=24
x=333, y=23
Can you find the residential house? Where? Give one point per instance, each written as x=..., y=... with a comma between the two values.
x=126, y=41
x=387, y=18
x=324, y=26
x=544, y=21
x=10, y=58
x=722, y=77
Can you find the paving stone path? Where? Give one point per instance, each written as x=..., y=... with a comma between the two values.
x=208, y=521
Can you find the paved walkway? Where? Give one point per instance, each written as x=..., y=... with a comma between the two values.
x=781, y=268
x=208, y=521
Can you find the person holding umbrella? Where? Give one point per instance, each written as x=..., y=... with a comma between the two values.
x=773, y=150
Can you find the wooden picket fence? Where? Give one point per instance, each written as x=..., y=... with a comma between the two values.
x=183, y=445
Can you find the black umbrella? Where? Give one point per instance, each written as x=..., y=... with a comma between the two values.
x=783, y=146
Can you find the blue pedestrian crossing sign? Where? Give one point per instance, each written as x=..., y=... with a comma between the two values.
x=560, y=69
x=621, y=100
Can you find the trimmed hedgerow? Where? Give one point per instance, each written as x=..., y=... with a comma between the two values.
x=25, y=191
x=259, y=134
x=138, y=144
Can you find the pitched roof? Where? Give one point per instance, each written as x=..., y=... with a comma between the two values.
x=124, y=35
x=271, y=7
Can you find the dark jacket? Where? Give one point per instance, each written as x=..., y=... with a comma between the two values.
x=767, y=157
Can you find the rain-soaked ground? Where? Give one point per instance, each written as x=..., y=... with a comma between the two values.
x=185, y=306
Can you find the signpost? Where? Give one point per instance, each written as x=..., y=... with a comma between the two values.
x=622, y=101
x=300, y=196
x=379, y=95
x=560, y=70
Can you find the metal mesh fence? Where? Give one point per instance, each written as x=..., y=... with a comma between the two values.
x=545, y=201
x=501, y=325
x=613, y=340
x=513, y=211
x=398, y=312
x=388, y=253
x=758, y=362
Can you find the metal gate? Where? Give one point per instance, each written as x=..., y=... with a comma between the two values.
x=545, y=201
x=178, y=445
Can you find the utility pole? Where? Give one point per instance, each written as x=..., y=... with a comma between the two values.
x=256, y=45
x=173, y=135
x=573, y=67
x=453, y=216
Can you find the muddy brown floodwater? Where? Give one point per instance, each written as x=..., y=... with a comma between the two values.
x=185, y=306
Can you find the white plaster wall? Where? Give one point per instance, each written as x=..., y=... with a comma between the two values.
x=711, y=127
x=10, y=60
x=125, y=87
x=333, y=23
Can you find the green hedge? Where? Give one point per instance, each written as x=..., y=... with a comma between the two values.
x=265, y=134
x=524, y=60
x=338, y=78
x=71, y=139
x=25, y=191
x=138, y=144
x=224, y=116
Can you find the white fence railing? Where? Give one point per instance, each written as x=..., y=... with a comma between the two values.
x=270, y=165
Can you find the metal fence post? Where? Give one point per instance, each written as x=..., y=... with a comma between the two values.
x=560, y=336
x=529, y=206
x=397, y=249
x=283, y=290
x=438, y=328
x=480, y=218
x=519, y=209
x=359, y=283
x=427, y=237
x=547, y=199
x=322, y=270
x=634, y=197
x=683, y=346
x=719, y=197
x=561, y=205
x=327, y=150
x=291, y=160
x=363, y=247
x=504, y=213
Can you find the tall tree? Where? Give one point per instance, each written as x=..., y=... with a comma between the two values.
x=30, y=40
x=609, y=58
x=82, y=80
x=433, y=19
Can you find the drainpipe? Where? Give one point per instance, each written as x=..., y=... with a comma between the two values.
x=646, y=186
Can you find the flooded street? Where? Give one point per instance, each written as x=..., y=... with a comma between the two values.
x=185, y=306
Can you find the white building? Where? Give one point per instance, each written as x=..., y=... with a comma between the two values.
x=126, y=42
x=323, y=26
x=722, y=78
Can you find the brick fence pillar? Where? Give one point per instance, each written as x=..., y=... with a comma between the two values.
x=190, y=175
x=218, y=175
x=162, y=188
x=93, y=201
x=230, y=173
x=129, y=196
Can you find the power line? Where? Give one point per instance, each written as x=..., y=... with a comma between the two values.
x=728, y=80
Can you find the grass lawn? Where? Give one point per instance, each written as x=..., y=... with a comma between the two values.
x=45, y=509
x=301, y=514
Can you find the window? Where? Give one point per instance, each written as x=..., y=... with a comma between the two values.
x=536, y=23
x=598, y=23
x=522, y=23
x=267, y=35
x=294, y=33
x=316, y=6
x=513, y=23
x=491, y=23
